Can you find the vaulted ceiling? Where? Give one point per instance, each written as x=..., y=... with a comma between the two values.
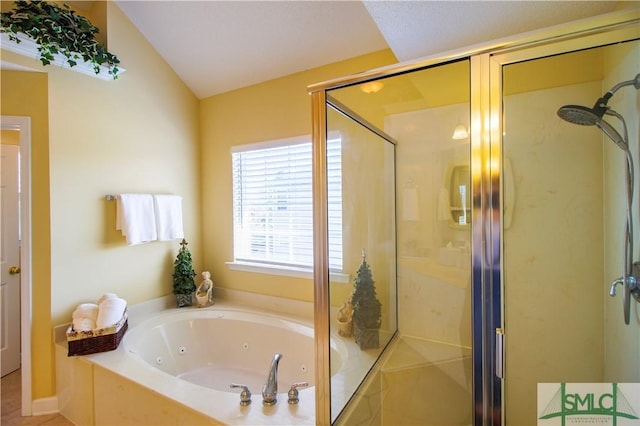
x=216, y=46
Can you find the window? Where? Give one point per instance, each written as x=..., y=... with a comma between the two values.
x=272, y=203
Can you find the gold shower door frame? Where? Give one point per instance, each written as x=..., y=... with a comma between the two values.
x=487, y=197
x=600, y=32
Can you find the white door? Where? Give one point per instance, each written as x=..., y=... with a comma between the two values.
x=10, y=261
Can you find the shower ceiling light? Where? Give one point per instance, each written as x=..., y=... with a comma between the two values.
x=460, y=132
x=372, y=86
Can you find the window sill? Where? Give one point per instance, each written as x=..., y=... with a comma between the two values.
x=287, y=271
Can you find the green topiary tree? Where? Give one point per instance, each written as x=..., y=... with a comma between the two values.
x=366, y=308
x=183, y=273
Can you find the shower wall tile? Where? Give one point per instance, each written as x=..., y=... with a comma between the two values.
x=553, y=251
x=432, y=308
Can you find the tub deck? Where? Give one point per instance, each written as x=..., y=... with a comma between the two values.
x=118, y=388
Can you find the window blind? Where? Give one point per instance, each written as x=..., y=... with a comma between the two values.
x=272, y=203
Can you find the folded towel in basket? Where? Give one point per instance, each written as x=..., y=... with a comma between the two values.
x=86, y=310
x=105, y=297
x=110, y=311
x=83, y=324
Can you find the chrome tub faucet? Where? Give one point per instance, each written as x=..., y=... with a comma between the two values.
x=270, y=388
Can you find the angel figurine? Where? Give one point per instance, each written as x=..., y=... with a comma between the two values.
x=345, y=315
x=203, y=292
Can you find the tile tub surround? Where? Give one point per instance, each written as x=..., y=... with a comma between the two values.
x=148, y=396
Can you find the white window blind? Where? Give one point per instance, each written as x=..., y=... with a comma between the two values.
x=272, y=203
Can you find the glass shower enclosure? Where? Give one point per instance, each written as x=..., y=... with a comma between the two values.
x=406, y=209
x=487, y=229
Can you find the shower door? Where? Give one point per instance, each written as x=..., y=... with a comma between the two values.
x=363, y=288
x=406, y=207
x=563, y=220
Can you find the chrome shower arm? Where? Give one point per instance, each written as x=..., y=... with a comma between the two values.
x=635, y=83
x=600, y=107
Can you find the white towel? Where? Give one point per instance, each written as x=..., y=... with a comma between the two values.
x=136, y=219
x=168, y=210
x=83, y=324
x=110, y=311
x=105, y=297
x=86, y=310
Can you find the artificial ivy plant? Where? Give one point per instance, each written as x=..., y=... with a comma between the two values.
x=58, y=30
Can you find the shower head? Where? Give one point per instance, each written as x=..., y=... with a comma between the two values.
x=585, y=116
x=578, y=114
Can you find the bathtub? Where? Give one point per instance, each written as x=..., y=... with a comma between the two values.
x=180, y=363
x=216, y=347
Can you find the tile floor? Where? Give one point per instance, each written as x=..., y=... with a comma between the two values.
x=10, y=408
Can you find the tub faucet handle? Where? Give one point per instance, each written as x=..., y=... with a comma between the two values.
x=245, y=395
x=293, y=392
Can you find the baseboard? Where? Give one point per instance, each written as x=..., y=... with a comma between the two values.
x=43, y=406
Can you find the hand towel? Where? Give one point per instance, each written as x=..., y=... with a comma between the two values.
x=110, y=311
x=86, y=310
x=168, y=211
x=136, y=219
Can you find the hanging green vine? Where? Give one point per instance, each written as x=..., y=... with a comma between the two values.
x=58, y=30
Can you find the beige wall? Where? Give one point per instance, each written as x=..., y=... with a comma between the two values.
x=136, y=134
x=91, y=138
x=275, y=109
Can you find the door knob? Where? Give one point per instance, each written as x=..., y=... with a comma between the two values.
x=14, y=270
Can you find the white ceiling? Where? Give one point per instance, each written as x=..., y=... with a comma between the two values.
x=216, y=46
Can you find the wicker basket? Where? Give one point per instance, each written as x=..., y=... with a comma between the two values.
x=98, y=340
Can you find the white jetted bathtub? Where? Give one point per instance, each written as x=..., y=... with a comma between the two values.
x=216, y=347
x=177, y=366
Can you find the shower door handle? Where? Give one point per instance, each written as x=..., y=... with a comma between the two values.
x=499, y=353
